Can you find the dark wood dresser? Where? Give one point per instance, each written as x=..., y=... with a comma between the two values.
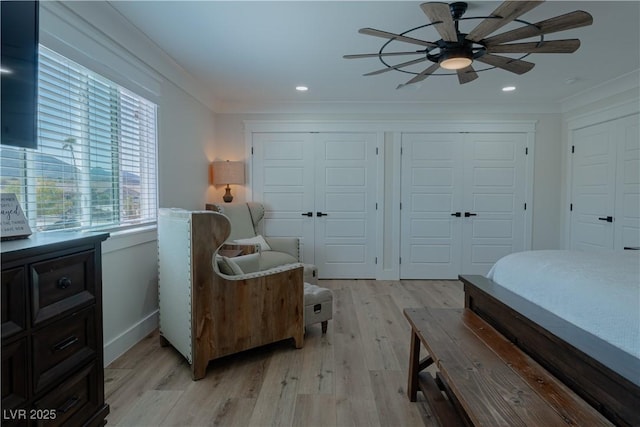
x=52, y=357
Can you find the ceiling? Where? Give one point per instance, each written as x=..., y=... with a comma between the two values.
x=253, y=52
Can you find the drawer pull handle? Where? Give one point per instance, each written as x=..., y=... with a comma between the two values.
x=73, y=401
x=64, y=282
x=66, y=343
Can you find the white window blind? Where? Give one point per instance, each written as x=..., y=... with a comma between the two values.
x=95, y=165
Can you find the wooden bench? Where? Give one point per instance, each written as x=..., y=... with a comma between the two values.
x=486, y=379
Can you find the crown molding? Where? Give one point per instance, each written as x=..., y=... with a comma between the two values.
x=622, y=84
x=414, y=109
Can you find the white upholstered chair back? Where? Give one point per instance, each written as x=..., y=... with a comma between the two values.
x=245, y=218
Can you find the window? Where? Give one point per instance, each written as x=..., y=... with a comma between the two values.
x=95, y=165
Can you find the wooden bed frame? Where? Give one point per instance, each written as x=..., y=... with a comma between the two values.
x=615, y=396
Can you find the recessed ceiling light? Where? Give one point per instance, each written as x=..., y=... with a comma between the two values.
x=508, y=88
x=302, y=88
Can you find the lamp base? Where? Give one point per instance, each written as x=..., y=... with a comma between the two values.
x=228, y=198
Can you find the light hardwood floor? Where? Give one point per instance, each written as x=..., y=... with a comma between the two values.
x=355, y=375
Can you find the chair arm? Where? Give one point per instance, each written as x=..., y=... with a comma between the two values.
x=248, y=310
x=288, y=245
x=262, y=273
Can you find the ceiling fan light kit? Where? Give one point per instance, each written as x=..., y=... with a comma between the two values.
x=459, y=52
x=455, y=59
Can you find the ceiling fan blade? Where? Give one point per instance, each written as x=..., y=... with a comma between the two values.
x=553, y=46
x=375, y=55
x=508, y=11
x=517, y=66
x=440, y=15
x=467, y=74
x=567, y=21
x=420, y=77
x=387, y=35
x=404, y=64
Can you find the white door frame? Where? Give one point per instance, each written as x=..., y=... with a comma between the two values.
x=607, y=114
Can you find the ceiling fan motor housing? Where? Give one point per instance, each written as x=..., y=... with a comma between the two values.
x=458, y=9
x=458, y=54
x=462, y=49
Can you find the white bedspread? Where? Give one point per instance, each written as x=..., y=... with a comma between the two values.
x=598, y=292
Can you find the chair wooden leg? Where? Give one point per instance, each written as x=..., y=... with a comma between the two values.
x=198, y=369
x=324, y=326
x=298, y=340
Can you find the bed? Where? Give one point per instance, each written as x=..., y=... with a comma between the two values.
x=577, y=314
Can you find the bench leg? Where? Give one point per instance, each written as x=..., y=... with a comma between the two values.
x=324, y=326
x=414, y=362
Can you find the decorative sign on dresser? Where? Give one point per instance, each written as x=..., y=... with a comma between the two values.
x=14, y=223
x=52, y=357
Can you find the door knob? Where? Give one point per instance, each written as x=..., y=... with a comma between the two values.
x=456, y=214
x=606, y=218
x=468, y=214
x=321, y=214
x=307, y=214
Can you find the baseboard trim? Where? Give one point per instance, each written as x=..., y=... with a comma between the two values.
x=123, y=342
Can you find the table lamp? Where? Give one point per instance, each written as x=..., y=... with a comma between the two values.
x=225, y=173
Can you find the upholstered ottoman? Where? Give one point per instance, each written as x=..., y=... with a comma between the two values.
x=318, y=305
x=310, y=274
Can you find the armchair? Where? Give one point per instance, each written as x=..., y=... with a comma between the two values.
x=206, y=314
x=245, y=220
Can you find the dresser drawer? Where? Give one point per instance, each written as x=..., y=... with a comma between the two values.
x=62, y=284
x=14, y=301
x=71, y=402
x=15, y=379
x=61, y=346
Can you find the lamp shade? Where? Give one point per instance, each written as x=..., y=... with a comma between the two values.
x=225, y=173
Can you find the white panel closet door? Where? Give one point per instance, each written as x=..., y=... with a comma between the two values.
x=431, y=184
x=322, y=188
x=284, y=180
x=627, y=212
x=481, y=178
x=493, y=201
x=593, y=187
x=345, y=238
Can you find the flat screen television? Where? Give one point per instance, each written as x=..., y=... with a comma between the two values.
x=19, y=74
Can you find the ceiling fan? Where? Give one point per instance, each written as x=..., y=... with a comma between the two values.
x=457, y=51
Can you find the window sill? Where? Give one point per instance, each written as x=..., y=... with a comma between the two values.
x=123, y=239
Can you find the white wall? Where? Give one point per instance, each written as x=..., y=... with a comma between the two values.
x=230, y=139
x=186, y=140
x=95, y=35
